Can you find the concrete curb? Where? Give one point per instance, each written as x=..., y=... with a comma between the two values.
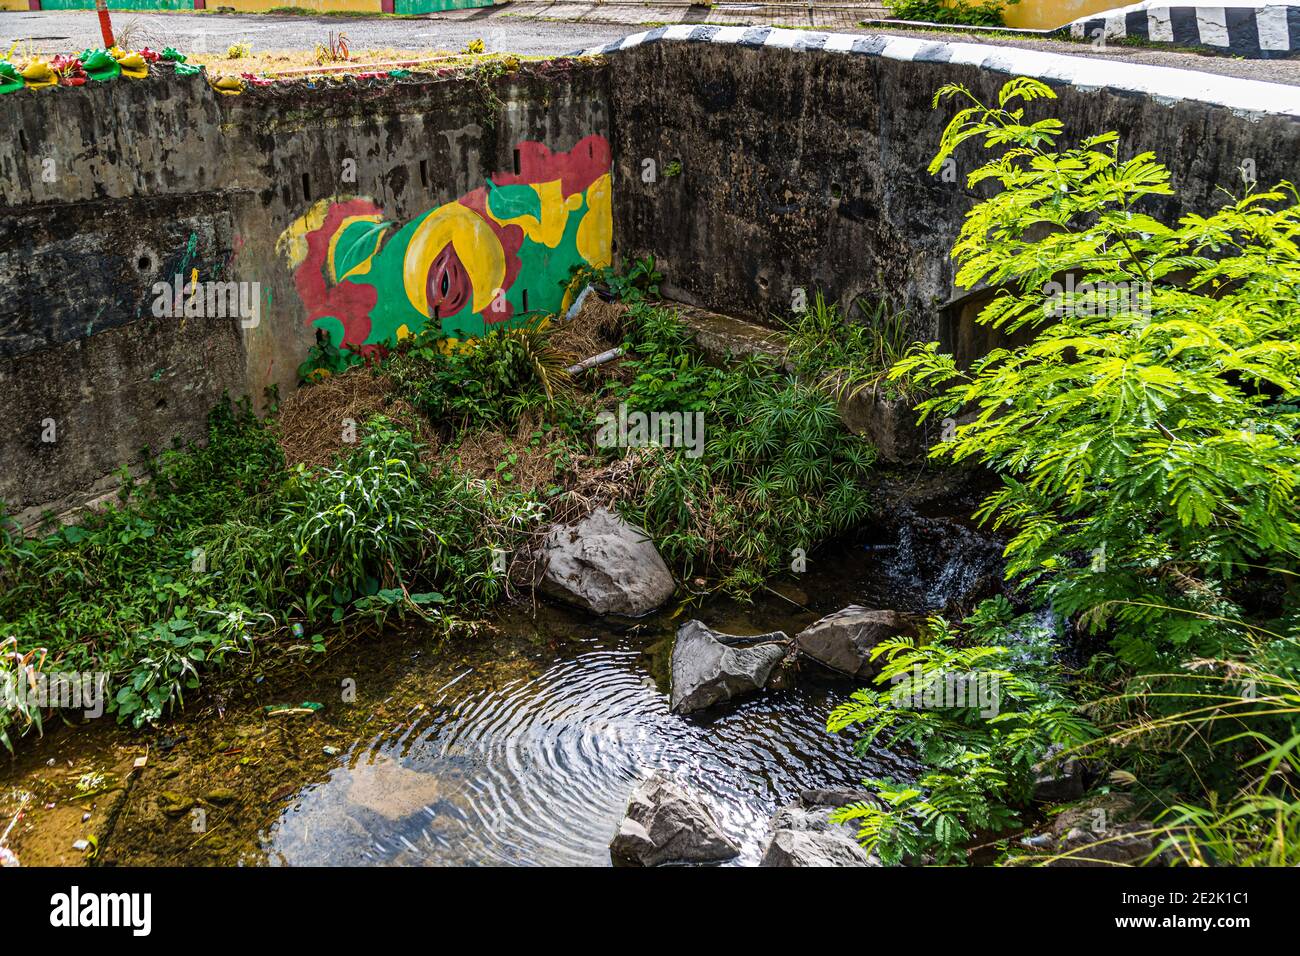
x=1253, y=31
x=1164, y=84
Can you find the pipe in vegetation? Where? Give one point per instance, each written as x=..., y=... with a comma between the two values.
x=595, y=360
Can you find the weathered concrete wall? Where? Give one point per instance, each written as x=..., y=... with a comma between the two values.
x=108, y=189
x=806, y=168
x=800, y=162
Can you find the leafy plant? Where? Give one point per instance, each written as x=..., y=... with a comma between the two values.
x=1145, y=440
x=779, y=470
x=489, y=380
x=987, y=14
x=979, y=760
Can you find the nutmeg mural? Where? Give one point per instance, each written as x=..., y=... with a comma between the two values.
x=490, y=259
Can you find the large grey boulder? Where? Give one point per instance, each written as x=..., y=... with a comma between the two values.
x=843, y=641
x=708, y=668
x=804, y=835
x=666, y=824
x=605, y=565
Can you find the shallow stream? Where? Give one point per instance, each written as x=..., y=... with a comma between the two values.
x=519, y=745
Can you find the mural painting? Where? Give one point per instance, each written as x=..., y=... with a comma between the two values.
x=491, y=259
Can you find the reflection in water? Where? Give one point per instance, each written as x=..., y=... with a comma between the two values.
x=539, y=771
x=535, y=766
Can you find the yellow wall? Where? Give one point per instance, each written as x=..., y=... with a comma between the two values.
x=13, y=4
x=261, y=6
x=1049, y=14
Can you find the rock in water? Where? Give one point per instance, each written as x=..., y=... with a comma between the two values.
x=803, y=835
x=605, y=565
x=707, y=670
x=667, y=824
x=843, y=641
x=812, y=848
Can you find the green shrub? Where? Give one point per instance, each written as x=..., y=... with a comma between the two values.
x=950, y=11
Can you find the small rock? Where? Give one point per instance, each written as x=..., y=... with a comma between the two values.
x=843, y=641
x=221, y=796
x=812, y=848
x=331, y=750
x=605, y=565
x=707, y=670
x=1057, y=781
x=81, y=845
x=804, y=835
x=175, y=804
x=667, y=824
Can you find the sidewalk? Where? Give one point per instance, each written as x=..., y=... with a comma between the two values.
x=635, y=16
x=835, y=17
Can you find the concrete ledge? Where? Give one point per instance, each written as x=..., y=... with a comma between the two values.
x=1162, y=84
x=1244, y=28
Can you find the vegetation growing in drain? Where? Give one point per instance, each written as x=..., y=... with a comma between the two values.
x=227, y=555
x=1146, y=446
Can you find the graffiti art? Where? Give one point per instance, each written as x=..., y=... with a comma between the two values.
x=492, y=259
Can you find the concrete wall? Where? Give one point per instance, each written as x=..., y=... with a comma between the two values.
x=799, y=159
x=804, y=158
x=108, y=189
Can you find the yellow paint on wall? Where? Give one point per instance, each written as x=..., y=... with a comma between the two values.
x=261, y=6
x=596, y=230
x=1049, y=14
x=476, y=246
x=13, y=5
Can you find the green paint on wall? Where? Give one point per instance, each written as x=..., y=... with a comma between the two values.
x=433, y=6
x=119, y=4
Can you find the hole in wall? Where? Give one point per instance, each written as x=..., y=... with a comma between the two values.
x=145, y=260
x=516, y=161
x=525, y=300
x=22, y=140
x=836, y=191
x=762, y=282
x=424, y=173
x=306, y=186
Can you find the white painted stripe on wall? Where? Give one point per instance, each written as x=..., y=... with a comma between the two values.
x=903, y=48
x=1160, y=26
x=1212, y=24
x=783, y=39
x=1162, y=83
x=1273, y=34
x=729, y=34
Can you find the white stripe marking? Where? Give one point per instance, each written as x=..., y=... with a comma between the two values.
x=1212, y=24
x=1273, y=34
x=1160, y=27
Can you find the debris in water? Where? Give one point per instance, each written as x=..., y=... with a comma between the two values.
x=282, y=710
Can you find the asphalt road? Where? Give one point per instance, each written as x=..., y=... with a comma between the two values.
x=58, y=31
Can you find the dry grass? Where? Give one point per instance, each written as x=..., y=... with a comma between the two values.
x=271, y=61
x=311, y=422
x=598, y=327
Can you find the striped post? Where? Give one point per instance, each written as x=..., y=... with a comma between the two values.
x=105, y=25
